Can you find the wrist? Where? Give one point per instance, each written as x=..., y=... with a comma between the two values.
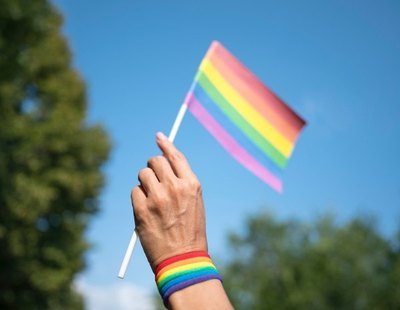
x=172, y=250
x=181, y=271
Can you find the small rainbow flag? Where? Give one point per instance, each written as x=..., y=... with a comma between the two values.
x=256, y=127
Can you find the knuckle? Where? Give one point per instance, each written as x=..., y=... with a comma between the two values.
x=154, y=160
x=143, y=172
x=160, y=158
x=176, y=187
x=195, y=184
x=150, y=162
x=192, y=186
x=136, y=192
x=158, y=199
x=177, y=156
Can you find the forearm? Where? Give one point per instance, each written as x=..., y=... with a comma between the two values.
x=170, y=221
x=205, y=295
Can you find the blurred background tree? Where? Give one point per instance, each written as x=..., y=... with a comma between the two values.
x=50, y=161
x=291, y=265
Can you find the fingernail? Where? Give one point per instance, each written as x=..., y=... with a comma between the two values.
x=160, y=136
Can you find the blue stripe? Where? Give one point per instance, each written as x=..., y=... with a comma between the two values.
x=235, y=132
x=185, y=277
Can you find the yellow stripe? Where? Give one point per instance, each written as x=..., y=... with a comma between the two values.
x=256, y=120
x=185, y=262
x=183, y=268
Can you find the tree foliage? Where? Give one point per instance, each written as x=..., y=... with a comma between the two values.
x=50, y=161
x=291, y=265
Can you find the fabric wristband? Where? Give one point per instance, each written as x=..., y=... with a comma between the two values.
x=181, y=271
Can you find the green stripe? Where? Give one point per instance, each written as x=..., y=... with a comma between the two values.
x=264, y=145
x=183, y=272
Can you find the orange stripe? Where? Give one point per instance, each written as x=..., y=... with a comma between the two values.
x=282, y=117
x=183, y=262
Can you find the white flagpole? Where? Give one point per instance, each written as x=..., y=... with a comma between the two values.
x=128, y=255
x=177, y=123
x=171, y=137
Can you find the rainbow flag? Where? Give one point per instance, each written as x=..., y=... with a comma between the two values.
x=256, y=127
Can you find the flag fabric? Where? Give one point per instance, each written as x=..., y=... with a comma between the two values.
x=255, y=126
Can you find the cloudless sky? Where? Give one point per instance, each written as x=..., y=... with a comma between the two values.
x=335, y=62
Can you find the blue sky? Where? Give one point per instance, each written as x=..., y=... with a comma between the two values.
x=335, y=62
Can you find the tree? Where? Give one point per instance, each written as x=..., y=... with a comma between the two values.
x=50, y=161
x=291, y=265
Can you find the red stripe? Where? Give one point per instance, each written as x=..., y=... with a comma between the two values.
x=180, y=257
x=250, y=83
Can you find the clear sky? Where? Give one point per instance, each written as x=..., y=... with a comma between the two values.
x=336, y=63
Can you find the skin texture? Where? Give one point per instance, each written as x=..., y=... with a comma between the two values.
x=170, y=220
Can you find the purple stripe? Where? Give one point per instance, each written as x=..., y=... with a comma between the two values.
x=230, y=144
x=184, y=284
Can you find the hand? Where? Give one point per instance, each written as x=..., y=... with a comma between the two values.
x=168, y=206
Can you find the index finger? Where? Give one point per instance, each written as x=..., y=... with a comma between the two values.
x=177, y=160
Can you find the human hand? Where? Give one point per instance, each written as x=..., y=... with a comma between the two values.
x=168, y=206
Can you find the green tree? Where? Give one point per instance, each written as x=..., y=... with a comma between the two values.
x=50, y=161
x=291, y=265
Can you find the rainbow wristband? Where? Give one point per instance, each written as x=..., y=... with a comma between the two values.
x=181, y=271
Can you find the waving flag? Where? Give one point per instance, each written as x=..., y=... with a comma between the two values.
x=256, y=127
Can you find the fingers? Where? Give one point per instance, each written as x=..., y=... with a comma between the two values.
x=148, y=180
x=161, y=168
x=176, y=159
